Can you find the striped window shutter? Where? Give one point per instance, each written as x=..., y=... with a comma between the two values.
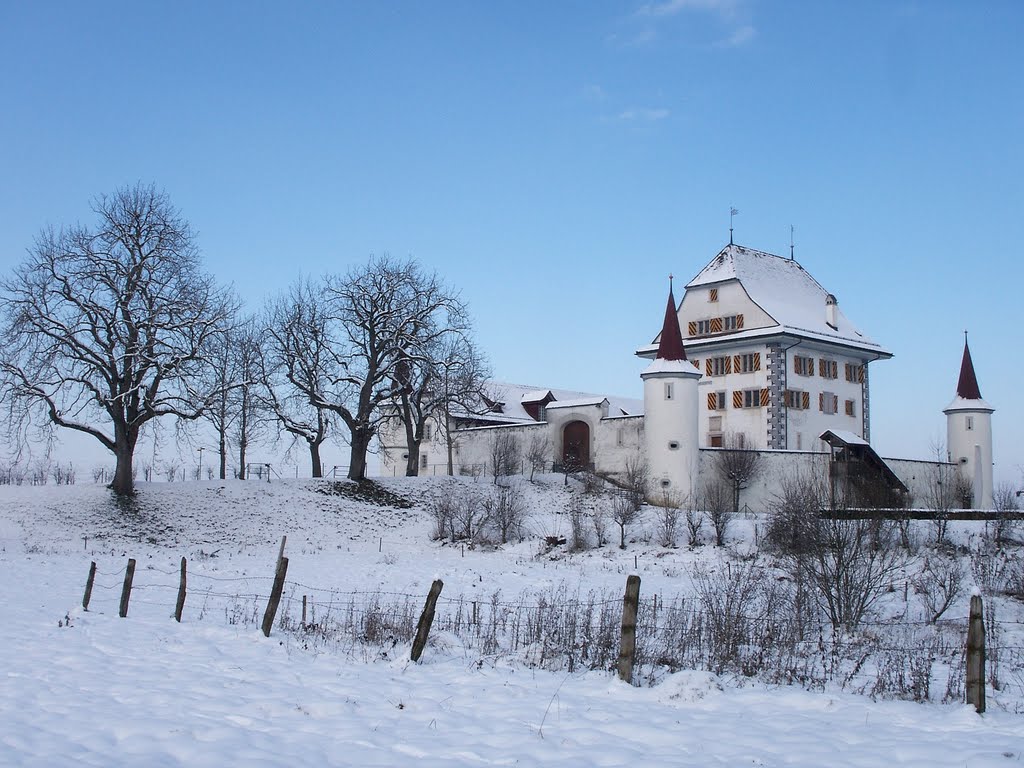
x=810, y=366
x=821, y=402
x=821, y=368
x=835, y=403
x=805, y=398
x=796, y=364
x=737, y=398
x=739, y=321
x=712, y=401
x=764, y=396
x=707, y=366
x=696, y=364
x=757, y=361
x=737, y=363
x=716, y=325
x=728, y=364
x=692, y=327
x=860, y=373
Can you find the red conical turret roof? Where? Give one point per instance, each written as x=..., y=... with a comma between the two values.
x=670, y=346
x=967, y=386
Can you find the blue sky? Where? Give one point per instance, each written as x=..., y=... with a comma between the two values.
x=556, y=161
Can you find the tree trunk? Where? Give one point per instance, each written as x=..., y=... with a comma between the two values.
x=412, y=464
x=241, y=459
x=314, y=455
x=123, y=483
x=449, y=440
x=223, y=451
x=357, y=461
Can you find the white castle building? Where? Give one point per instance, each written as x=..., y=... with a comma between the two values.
x=757, y=356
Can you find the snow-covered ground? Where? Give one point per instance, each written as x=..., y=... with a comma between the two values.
x=90, y=688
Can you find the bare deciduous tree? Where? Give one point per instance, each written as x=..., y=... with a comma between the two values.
x=504, y=454
x=737, y=466
x=718, y=506
x=1006, y=502
x=636, y=480
x=668, y=519
x=105, y=327
x=939, y=584
x=849, y=564
x=506, y=510
x=447, y=372
x=538, y=452
x=296, y=364
x=625, y=512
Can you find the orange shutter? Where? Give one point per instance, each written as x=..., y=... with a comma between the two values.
x=716, y=325
x=712, y=401
x=764, y=396
x=821, y=402
x=737, y=398
x=713, y=294
x=835, y=403
x=728, y=364
x=805, y=397
x=796, y=363
x=757, y=361
x=810, y=366
x=737, y=364
x=707, y=365
x=739, y=321
x=821, y=368
x=692, y=328
x=860, y=373
x=696, y=364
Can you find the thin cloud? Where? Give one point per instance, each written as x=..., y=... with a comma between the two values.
x=673, y=7
x=643, y=114
x=740, y=36
x=594, y=93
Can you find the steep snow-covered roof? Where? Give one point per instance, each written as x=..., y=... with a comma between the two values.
x=786, y=292
x=513, y=396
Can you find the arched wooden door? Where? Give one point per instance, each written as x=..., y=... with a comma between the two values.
x=576, y=444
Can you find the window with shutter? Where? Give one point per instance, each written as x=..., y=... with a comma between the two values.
x=713, y=294
x=737, y=398
x=827, y=369
x=803, y=366
x=849, y=408
x=716, y=325
x=712, y=401
x=692, y=327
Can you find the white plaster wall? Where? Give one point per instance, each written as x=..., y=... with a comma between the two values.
x=732, y=299
x=975, y=446
x=804, y=426
x=668, y=422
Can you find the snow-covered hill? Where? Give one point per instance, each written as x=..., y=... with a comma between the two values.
x=90, y=688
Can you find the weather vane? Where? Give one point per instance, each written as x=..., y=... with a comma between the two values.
x=732, y=212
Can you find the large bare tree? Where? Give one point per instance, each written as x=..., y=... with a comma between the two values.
x=105, y=327
x=449, y=373
x=393, y=317
x=297, y=364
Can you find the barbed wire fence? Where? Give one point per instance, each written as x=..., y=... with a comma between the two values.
x=566, y=629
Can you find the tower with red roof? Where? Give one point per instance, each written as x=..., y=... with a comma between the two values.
x=670, y=407
x=969, y=433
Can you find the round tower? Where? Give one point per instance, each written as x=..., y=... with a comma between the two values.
x=969, y=433
x=670, y=413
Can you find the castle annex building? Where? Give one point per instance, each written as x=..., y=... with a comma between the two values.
x=757, y=356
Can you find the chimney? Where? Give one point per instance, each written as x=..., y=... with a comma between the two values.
x=832, y=312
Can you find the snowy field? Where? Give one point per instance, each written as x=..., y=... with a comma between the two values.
x=90, y=688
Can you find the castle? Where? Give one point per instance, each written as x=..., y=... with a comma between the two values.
x=768, y=363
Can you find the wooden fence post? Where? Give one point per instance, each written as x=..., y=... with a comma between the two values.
x=88, y=586
x=275, y=594
x=976, y=656
x=303, y=611
x=180, y=605
x=426, y=619
x=627, y=645
x=126, y=590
